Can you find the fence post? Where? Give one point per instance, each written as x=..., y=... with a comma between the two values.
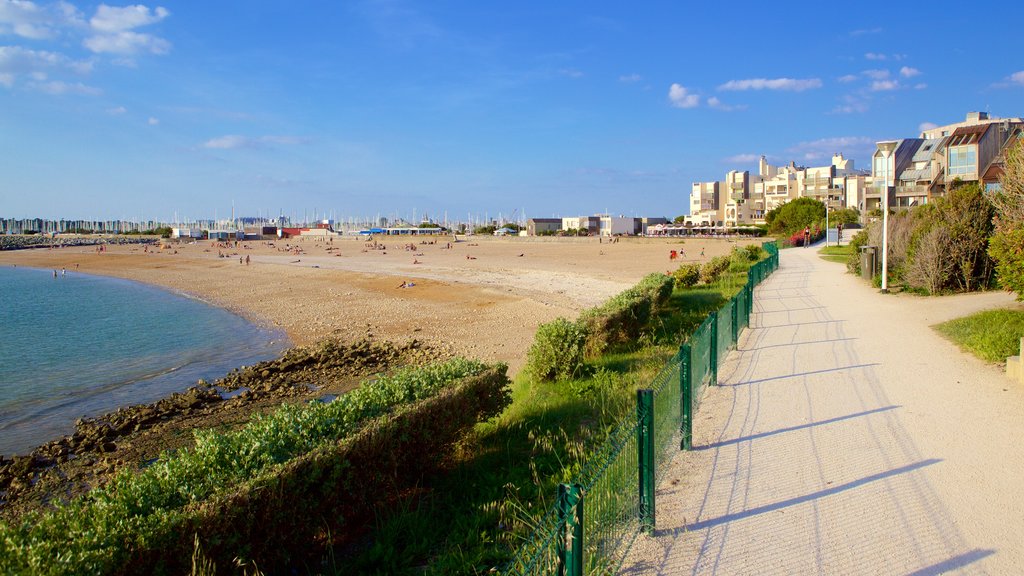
x=570, y=517
x=686, y=396
x=645, y=456
x=750, y=301
x=714, y=348
x=735, y=321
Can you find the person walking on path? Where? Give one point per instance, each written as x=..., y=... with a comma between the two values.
x=828, y=445
x=807, y=236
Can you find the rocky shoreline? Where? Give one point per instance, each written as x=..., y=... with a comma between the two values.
x=8, y=242
x=134, y=436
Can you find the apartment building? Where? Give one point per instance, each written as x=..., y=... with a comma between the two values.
x=908, y=171
x=744, y=198
x=915, y=171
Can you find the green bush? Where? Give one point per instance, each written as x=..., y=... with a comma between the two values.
x=1007, y=249
x=557, y=350
x=138, y=516
x=623, y=317
x=714, y=268
x=687, y=275
x=859, y=240
x=795, y=215
x=1007, y=245
x=754, y=252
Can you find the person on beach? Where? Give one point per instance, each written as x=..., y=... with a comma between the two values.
x=246, y=259
x=701, y=251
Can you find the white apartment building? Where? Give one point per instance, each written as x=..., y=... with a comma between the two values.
x=744, y=198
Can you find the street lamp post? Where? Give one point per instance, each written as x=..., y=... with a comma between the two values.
x=886, y=149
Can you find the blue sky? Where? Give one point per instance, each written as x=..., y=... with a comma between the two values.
x=391, y=107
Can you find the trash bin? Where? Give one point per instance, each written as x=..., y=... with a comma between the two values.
x=868, y=261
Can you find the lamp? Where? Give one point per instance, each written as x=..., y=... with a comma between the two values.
x=886, y=149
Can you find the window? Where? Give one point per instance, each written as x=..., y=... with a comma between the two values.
x=963, y=159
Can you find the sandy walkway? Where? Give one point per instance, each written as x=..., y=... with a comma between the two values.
x=847, y=438
x=483, y=297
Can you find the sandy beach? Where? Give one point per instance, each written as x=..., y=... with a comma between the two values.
x=480, y=296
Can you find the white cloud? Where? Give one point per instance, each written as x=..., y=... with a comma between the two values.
x=571, y=73
x=876, y=74
x=127, y=43
x=115, y=30
x=1017, y=77
x=58, y=87
x=875, y=56
x=865, y=31
x=884, y=85
x=920, y=86
x=908, y=72
x=117, y=111
x=743, y=158
x=925, y=126
x=791, y=84
x=681, y=97
x=233, y=141
x=847, y=78
x=153, y=121
x=630, y=78
x=851, y=105
x=35, y=65
x=717, y=104
x=826, y=147
x=111, y=19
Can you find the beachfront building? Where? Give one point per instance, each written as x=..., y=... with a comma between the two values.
x=918, y=170
x=911, y=171
x=542, y=226
x=743, y=198
x=597, y=225
x=704, y=203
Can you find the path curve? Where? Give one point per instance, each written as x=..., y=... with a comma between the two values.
x=847, y=437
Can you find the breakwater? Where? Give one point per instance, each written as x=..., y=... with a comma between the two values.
x=42, y=241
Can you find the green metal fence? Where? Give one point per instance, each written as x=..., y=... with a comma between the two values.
x=598, y=515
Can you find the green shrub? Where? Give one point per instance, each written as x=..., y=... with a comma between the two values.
x=658, y=287
x=557, y=350
x=1007, y=245
x=714, y=268
x=1007, y=249
x=754, y=252
x=687, y=275
x=859, y=240
x=138, y=516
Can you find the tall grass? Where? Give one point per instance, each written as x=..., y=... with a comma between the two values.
x=506, y=475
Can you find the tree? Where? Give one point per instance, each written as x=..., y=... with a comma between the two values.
x=844, y=216
x=679, y=219
x=1007, y=244
x=796, y=215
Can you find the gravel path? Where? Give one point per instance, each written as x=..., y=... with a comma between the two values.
x=847, y=437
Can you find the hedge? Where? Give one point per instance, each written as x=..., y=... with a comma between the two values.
x=273, y=518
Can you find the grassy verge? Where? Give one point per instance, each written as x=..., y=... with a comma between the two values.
x=470, y=519
x=838, y=254
x=992, y=335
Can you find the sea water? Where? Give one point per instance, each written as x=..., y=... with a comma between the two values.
x=79, y=345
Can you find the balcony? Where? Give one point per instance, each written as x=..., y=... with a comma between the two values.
x=911, y=190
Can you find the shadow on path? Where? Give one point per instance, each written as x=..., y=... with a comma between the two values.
x=794, y=428
x=798, y=500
